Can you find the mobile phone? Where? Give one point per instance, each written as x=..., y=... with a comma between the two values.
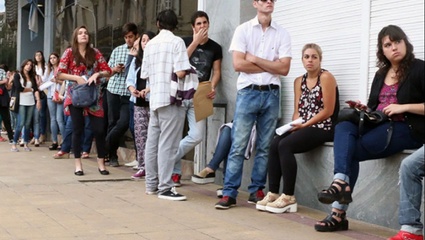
x=351, y=103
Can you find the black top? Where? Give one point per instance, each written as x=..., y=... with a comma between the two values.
x=203, y=57
x=410, y=90
x=140, y=85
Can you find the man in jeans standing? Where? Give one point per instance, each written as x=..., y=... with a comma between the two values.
x=261, y=51
x=205, y=55
x=118, y=96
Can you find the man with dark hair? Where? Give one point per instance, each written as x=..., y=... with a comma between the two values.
x=164, y=55
x=117, y=93
x=205, y=55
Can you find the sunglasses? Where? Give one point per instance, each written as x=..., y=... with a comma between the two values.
x=266, y=1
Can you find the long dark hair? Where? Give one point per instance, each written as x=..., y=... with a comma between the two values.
x=31, y=73
x=43, y=61
x=90, y=57
x=49, y=64
x=395, y=33
x=139, y=57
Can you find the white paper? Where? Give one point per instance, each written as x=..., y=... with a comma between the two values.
x=45, y=85
x=287, y=127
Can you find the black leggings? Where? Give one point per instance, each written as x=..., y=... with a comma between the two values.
x=97, y=126
x=282, y=162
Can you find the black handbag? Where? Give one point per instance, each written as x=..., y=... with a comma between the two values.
x=358, y=116
x=362, y=117
x=84, y=95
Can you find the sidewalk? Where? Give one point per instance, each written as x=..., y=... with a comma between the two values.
x=41, y=199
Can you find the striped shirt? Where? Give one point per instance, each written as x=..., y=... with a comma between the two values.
x=163, y=55
x=116, y=84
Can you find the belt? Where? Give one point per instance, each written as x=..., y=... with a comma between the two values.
x=263, y=87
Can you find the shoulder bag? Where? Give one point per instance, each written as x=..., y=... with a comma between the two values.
x=84, y=95
x=363, y=117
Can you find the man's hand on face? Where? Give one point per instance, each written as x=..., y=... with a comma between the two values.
x=201, y=36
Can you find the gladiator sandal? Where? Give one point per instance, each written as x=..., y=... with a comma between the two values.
x=333, y=194
x=330, y=224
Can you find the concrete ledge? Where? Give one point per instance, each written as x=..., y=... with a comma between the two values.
x=375, y=198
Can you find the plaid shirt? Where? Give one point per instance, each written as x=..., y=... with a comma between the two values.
x=116, y=84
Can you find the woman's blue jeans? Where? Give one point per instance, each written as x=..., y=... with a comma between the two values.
x=252, y=106
x=56, y=119
x=350, y=149
x=35, y=123
x=222, y=149
x=412, y=172
x=86, y=139
x=23, y=121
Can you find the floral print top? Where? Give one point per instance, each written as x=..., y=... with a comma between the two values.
x=311, y=103
x=68, y=65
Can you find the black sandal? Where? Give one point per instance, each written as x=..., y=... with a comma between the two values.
x=54, y=146
x=331, y=224
x=332, y=194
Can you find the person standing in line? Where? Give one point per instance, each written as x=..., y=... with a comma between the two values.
x=40, y=116
x=164, y=55
x=398, y=91
x=13, y=115
x=139, y=90
x=412, y=172
x=54, y=102
x=205, y=55
x=261, y=51
x=4, y=104
x=78, y=63
x=117, y=93
x=27, y=96
x=316, y=102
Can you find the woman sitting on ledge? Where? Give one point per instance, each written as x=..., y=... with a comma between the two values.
x=398, y=90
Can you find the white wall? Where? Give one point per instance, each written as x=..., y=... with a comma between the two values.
x=346, y=31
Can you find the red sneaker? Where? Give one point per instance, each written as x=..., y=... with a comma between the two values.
x=176, y=179
x=403, y=235
x=2, y=139
x=256, y=196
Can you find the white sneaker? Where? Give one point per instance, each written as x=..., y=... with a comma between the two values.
x=132, y=164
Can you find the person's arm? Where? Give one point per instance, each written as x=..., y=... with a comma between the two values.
x=297, y=95
x=215, y=77
x=103, y=70
x=37, y=100
x=131, y=79
x=114, y=65
x=181, y=74
x=280, y=66
x=71, y=77
x=415, y=108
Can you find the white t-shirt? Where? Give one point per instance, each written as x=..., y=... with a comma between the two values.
x=26, y=98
